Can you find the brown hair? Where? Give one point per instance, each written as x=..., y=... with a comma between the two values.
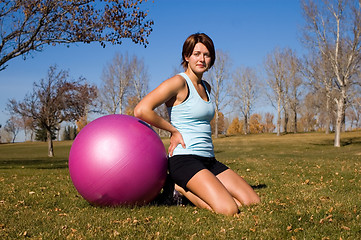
x=191, y=42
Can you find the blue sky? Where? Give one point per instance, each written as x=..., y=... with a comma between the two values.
x=246, y=29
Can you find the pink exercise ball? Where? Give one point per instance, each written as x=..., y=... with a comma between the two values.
x=118, y=160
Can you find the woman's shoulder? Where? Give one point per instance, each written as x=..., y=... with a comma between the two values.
x=176, y=82
x=178, y=78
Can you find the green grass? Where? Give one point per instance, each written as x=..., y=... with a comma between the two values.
x=308, y=188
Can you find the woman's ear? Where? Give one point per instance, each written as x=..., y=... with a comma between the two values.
x=186, y=58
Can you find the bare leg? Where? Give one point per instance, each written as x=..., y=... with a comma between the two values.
x=206, y=191
x=196, y=200
x=193, y=198
x=238, y=187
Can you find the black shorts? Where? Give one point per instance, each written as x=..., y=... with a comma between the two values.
x=183, y=167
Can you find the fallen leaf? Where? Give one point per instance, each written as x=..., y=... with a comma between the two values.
x=324, y=198
x=116, y=233
x=330, y=210
x=345, y=228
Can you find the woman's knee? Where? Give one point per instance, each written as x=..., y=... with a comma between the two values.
x=226, y=209
x=251, y=200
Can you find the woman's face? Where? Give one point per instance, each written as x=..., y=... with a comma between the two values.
x=200, y=58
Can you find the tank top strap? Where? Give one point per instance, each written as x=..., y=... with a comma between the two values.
x=206, y=89
x=189, y=83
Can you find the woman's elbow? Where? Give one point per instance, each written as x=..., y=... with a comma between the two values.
x=138, y=112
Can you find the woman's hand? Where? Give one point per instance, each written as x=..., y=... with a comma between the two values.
x=175, y=139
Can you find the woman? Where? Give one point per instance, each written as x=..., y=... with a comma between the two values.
x=198, y=175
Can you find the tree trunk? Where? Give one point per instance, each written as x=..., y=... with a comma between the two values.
x=245, y=127
x=50, y=144
x=343, y=125
x=339, y=120
x=295, y=123
x=120, y=106
x=279, y=117
x=328, y=112
x=32, y=136
x=286, y=122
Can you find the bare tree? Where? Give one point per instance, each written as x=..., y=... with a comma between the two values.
x=27, y=26
x=269, y=127
x=308, y=112
x=140, y=78
x=6, y=137
x=354, y=106
x=138, y=84
x=318, y=72
x=333, y=28
x=55, y=99
x=354, y=112
x=116, y=80
x=244, y=90
x=218, y=76
x=13, y=126
x=28, y=126
x=124, y=81
x=276, y=68
x=293, y=85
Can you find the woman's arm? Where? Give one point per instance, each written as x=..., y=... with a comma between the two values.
x=169, y=90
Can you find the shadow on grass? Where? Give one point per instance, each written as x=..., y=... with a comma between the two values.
x=351, y=141
x=37, y=164
x=259, y=186
x=344, y=142
x=218, y=151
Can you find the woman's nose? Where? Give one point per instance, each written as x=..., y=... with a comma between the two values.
x=201, y=57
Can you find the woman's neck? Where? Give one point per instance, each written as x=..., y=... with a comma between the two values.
x=197, y=78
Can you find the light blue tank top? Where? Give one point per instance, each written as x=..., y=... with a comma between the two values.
x=192, y=119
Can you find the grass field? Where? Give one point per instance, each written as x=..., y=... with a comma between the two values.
x=308, y=188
